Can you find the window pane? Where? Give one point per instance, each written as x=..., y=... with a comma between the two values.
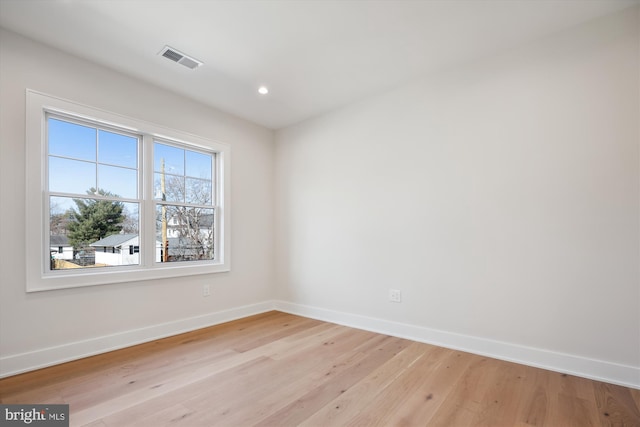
x=71, y=140
x=198, y=165
x=71, y=176
x=173, y=159
x=92, y=233
x=119, y=182
x=198, y=191
x=117, y=149
x=188, y=236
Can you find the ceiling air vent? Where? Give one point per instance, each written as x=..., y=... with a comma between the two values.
x=179, y=57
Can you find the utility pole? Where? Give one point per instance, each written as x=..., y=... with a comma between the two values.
x=165, y=241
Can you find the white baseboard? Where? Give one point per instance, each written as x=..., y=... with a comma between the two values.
x=599, y=370
x=19, y=363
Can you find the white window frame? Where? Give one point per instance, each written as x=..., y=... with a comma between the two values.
x=39, y=275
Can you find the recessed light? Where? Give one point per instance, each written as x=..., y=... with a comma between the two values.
x=263, y=90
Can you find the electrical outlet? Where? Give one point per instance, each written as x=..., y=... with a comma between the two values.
x=395, y=295
x=206, y=290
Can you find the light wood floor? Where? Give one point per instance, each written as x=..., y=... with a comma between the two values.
x=277, y=369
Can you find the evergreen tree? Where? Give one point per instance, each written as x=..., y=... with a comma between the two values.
x=94, y=219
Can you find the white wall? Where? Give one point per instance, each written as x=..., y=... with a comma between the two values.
x=41, y=328
x=501, y=197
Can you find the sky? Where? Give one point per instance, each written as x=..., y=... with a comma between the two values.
x=82, y=157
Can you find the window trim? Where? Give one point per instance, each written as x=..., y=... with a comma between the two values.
x=39, y=278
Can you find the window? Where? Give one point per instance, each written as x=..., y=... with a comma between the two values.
x=106, y=183
x=92, y=181
x=183, y=188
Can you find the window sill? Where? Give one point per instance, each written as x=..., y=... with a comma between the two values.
x=65, y=280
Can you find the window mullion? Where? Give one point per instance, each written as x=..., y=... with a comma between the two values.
x=147, y=217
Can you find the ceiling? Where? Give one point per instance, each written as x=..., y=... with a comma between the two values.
x=313, y=55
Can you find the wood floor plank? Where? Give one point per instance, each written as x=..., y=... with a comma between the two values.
x=349, y=404
x=466, y=405
x=168, y=416
x=433, y=390
x=269, y=388
x=181, y=377
x=635, y=395
x=334, y=382
x=615, y=403
x=85, y=394
x=572, y=400
x=277, y=369
x=223, y=382
x=214, y=388
x=535, y=399
x=392, y=401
